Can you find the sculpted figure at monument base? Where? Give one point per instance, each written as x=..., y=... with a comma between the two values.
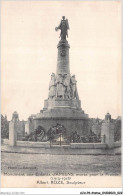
x=74, y=87
x=60, y=86
x=52, y=86
x=67, y=89
x=63, y=86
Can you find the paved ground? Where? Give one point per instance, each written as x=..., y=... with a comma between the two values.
x=18, y=163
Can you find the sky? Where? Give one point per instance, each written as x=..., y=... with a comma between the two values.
x=29, y=54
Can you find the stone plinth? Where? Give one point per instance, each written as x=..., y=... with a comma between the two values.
x=67, y=112
x=63, y=58
x=13, y=126
x=80, y=125
x=72, y=119
x=107, y=130
x=62, y=112
x=64, y=103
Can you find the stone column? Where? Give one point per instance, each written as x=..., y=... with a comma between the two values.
x=63, y=58
x=107, y=130
x=13, y=127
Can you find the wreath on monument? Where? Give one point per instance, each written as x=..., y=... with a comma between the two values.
x=54, y=131
x=37, y=135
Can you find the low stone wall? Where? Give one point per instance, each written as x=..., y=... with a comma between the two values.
x=117, y=144
x=88, y=145
x=72, y=145
x=33, y=144
x=5, y=141
x=60, y=150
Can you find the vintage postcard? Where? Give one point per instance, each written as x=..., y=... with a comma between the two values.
x=61, y=94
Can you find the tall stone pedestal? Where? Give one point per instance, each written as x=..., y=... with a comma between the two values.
x=63, y=58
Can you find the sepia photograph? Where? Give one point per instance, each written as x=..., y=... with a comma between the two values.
x=61, y=94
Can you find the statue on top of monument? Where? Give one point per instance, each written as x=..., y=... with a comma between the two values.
x=63, y=26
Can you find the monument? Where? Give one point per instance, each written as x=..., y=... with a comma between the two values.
x=63, y=105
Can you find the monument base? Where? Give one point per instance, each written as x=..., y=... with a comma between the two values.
x=65, y=113
x=64, y=103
